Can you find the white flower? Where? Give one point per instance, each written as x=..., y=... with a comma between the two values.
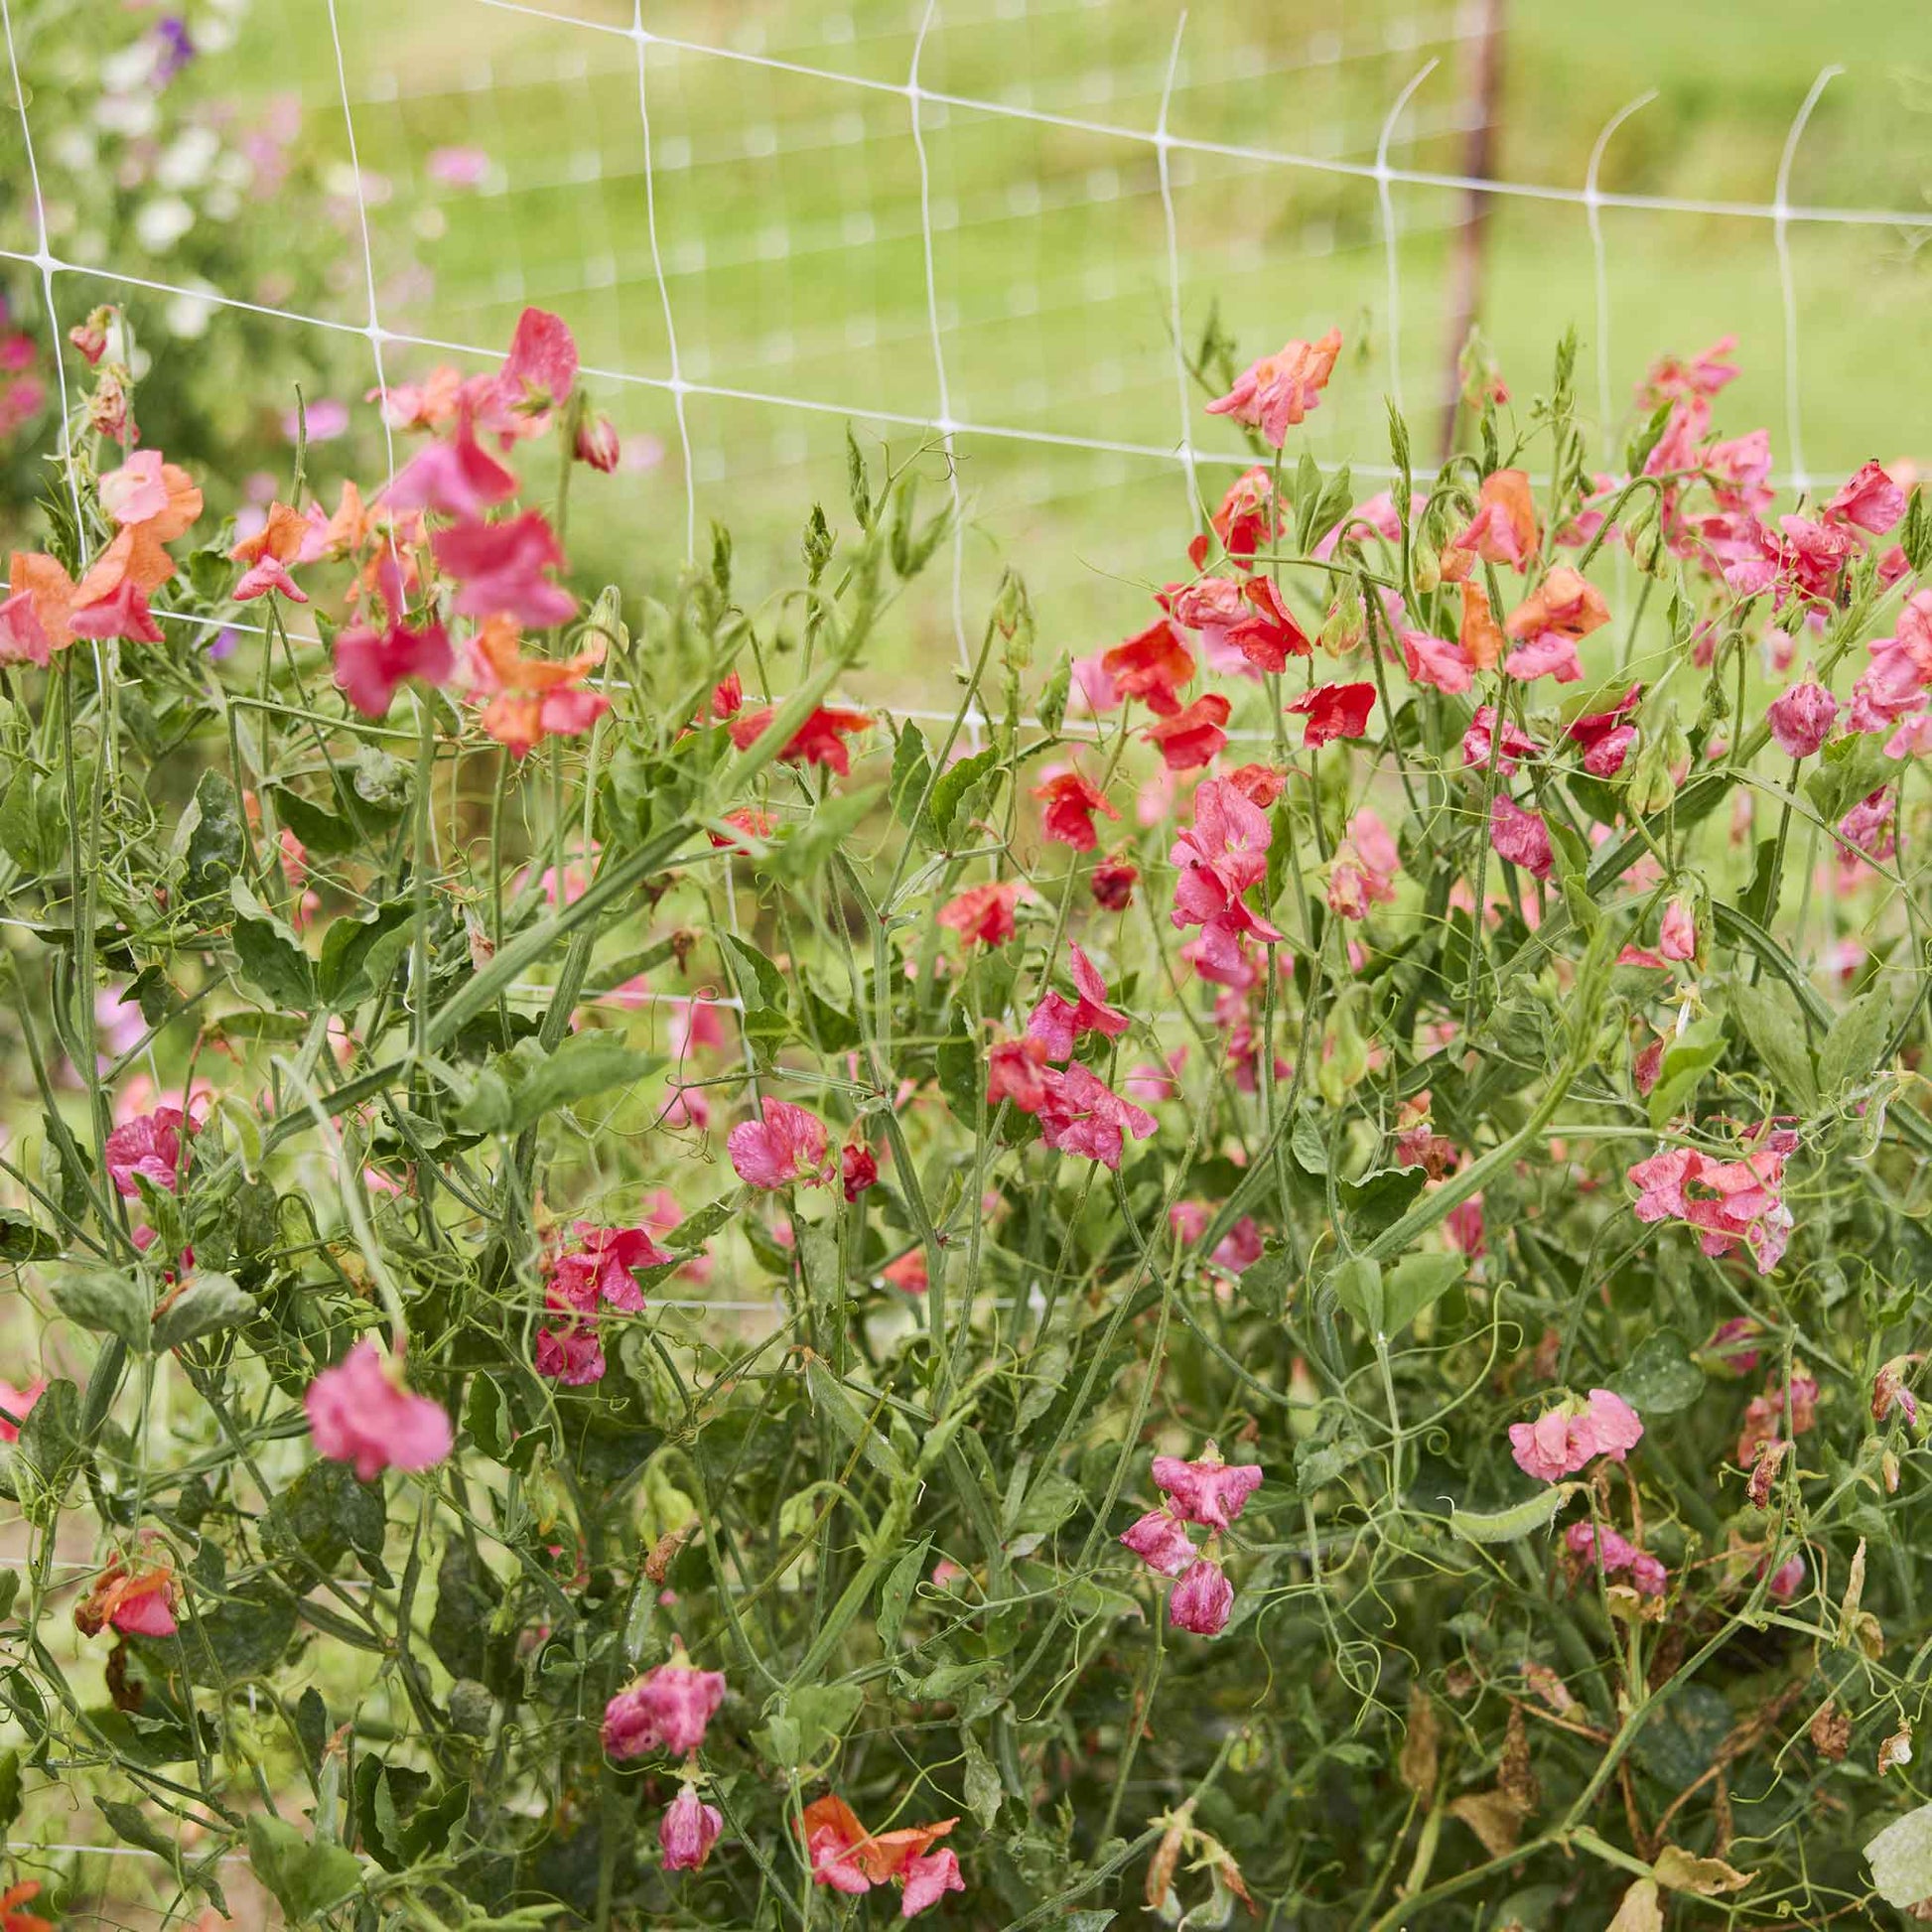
x=188, y=315
x=160, y=222
x=74, y=147
x=129, y=115
x=186, y=161
x=130, y=70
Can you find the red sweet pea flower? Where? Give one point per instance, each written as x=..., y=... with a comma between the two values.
x=1151, y=666
x=1191, y=738
x=1016, y=1070
x=1270, y=637
x=1333, y=711
x=1071, y=802
x=820, y=739
x=1112, y=884
x=12, y=1920
x=982, y=915
x=858, y=1169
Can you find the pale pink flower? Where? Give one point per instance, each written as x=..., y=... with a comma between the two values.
x=359, y=1411
x=1564, y=1439
x=1802, y=718
x=786, y=1144
x=666, y=1710
x=1679, y=936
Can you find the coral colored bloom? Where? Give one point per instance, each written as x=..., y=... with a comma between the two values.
x=1802, y=718
x=279, y=542
x=138, y=1602
x=1070, y=802
x=820, y=739
x=533, y=698
x=1431, y=660
x=123, y=612
x=846, y=1857
x=1248, y=517
x=1504, y=528
x=537, y=375
x=503, y=570
x=1161, y=1541
x=1520, y=836
x=19, y=1404
x=359, y=1411
x=687, y=1830
x=858, y=1169
x=909, y=1273
x=1152, y=666
x=1278, y=390
x=982, y=915
x=161, y=498
x=370, y=664
x=666, y=1710
x=1270, y=635
x=12, y=1920
x=1562, y=1440
x=1480, y=634
x=1210, y=1492
x=1201, y=1600
x=38, y=588
x=1727, y=1201
x=786, y=1144
x=150, y=1146
x=1194, y=737
x=1333, y=711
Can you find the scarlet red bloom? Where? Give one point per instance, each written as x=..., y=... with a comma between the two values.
x=12, y=1920
x=1270, y=635
x=982, y=915
x=1191, y=738
x=1333, y=711
x=1151, y=666
x=858, y=1169
x=820, y=739
x=1070, y=803
x=1112, y=884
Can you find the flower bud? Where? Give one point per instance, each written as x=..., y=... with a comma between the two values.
x=1201, y=1599
x=597, y=443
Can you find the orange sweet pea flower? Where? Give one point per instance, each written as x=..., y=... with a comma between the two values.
x=147, y=494
x=1481, y=636
x=11, y=1918
x=48, y=590
x=841, y=1845
x=134, y=557
x=531, y=698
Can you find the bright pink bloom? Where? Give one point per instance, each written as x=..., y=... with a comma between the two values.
x=597, y=443
x=570, y=1354
x=1605, y=737
x=1201, y=1601
x=1725, y=1201
x=1615, y=1554
x=359, y=1411
x=1702, y=374
x=1871, y=500
x=458, y=478
x=1333, y=711
x=926, y=1879
x=858, y=1169
x=1435, y=661
x=1802, y=718
x=1520, y=836
x=122, y=613
x=137, y=1602
x=786, y=1144
x=19, y=1404
x=1059, y=1021
x=151, y=1145
x=666, y=1710
x=1562, y=1440
x=1679, y=937
x=1016, y=1070
x=982, y=915
x=1161, y=1541
x=1070, y=803
x=1477, y=746
x=1082, y=1115
x=269, y=574
x=1210, y=1492
x=688, y=1830
x=370, y=664
x=1281, y=389
x=502, y=567
x=537, y=375
x=1786, y=1581
x=601, y=1269
x=22, y=637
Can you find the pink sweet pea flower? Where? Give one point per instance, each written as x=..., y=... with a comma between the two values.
x=858, y=1169
x=1161, y=1541
x=1060, y=1021
x=122, y=613
x=1516, y=743
x=982, y=915
x=502, y=568
x=786, y=1144
x=18, y=1404
x=1434, y=661
x=150, y=1146
x=1280, y=390
x=458, y=478
x=928, y=1879
x=688, y=1830
x=137, y=1601
x=1871, y=500
x=1333, y=711
x=1082, y=1115
x=1562, y=1440
x=600, y=1268
x=1210, y=1492
x=372, y=664
x=1201, y=1600
x=1802, y=718
x=359, y=1411
x=1679, y=937
x=1520, y=836
x=539, y=373
x=666, y=1710
x=1605, y=737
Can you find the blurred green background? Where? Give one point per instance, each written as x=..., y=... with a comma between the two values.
x=502, y=160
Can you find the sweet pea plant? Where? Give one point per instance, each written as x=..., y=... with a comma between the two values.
x=1277, y=1275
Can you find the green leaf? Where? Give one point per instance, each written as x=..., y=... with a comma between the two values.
x=834, y=823
x=809, y=1719
x=1775, y=1026
x=1416, y=1283
x=110, y=1302
x=308, y=1880
x=950, y=794
x=1687, y=1060
x=759, y=982
x=486, y=1417
x=1379, y=1200
x=982, y=1781
x=203, y=1305
x=520, y=1087
x=1660, y=1378
x=1050, y=1502
x=835, y=1404
x=896, y=1592
x=1856, y=1042
x=211, y=838
x=21, y=1240
x=358, y=956
x=911, y=767
x=323, y=1515
x=1358, y=1284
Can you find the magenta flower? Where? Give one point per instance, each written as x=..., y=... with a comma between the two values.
x=786, y=1144
x=1871, y=500
x=1617, y=1555
x=1161, y=1542
x=1727, y=1201
x=149, y=1145
x=666, y=1710
x=1802, y=718
x=1564, y=1439
x=1605, y=736
x=1082, y=1115
x=1520, y=836
x=502, y=568
x=602, y=1268
x=1201, y=1601
x=687, y=1830
x=458, y=478
x=370, y=664
x=570, y=1354
x=1059, y=1021
x=359, y=1411
x=1210, y=1492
